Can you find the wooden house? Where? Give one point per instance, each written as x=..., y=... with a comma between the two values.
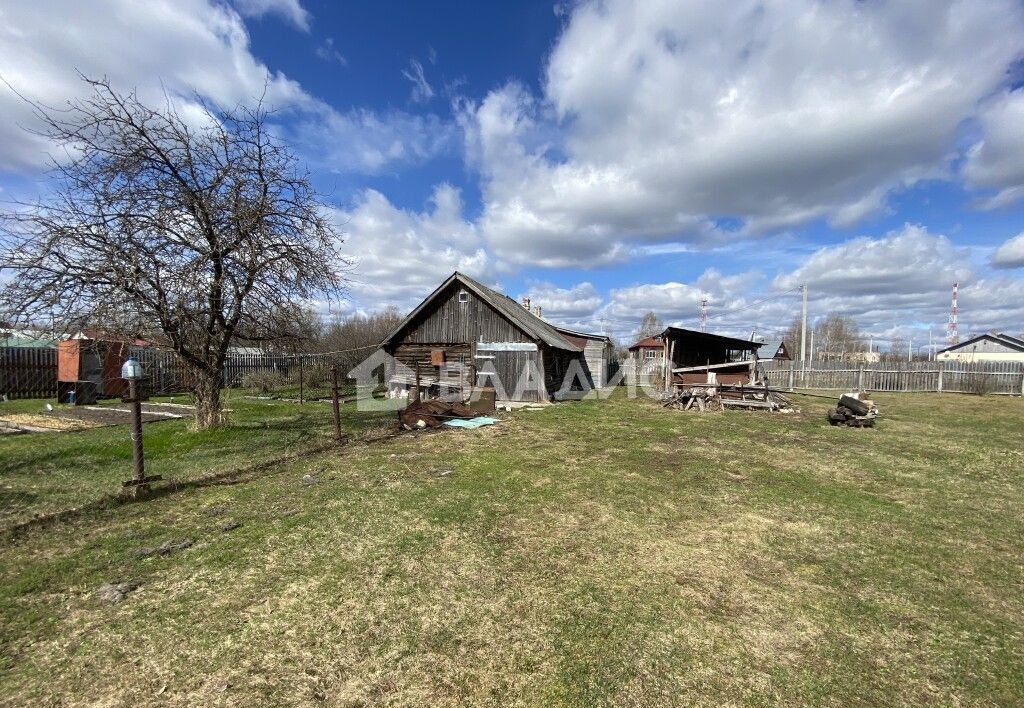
x=774, y=350
x=648, y=349
x=465, y=335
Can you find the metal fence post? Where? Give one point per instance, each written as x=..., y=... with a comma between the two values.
x=334, y=402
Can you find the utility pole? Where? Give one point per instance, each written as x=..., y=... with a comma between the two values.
x=953, y=336
x=803, y=329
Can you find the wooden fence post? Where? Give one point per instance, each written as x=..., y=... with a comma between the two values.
x=791, y=370
x=860, y=377
x=942, y=371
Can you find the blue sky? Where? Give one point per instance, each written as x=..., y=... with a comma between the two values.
x=610, y=158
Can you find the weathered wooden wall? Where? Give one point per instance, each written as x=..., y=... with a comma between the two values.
x=449, y=321
x=31, y=372
x=597, y=354
x=28, y=372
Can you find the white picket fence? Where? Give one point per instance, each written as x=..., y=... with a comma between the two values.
x=997, y=377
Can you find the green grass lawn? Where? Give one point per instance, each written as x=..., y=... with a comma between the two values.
x=51, y=472
x=594, y=553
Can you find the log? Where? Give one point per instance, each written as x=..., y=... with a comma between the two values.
x=855, y=404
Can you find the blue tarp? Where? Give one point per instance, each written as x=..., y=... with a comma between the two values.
x=477, y=422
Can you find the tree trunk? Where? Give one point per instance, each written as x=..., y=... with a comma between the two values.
x=206, y=392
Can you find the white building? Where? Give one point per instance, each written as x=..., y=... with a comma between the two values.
x=992, y=346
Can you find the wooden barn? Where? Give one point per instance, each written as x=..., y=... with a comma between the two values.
x=465, y=335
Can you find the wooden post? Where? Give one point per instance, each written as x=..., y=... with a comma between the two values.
x=334, y=402
x=138, y=464
x=417, y=380
x=668, y=366
x=792, y=370
x=860, y=377
x=300, y=380
x=942, y=371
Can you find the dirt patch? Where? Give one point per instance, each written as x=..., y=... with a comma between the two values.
x=71, y=418
x=38, y=422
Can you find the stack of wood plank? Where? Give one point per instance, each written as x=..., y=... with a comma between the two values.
x=432, y=414
x=720, y=396
x=855, y=410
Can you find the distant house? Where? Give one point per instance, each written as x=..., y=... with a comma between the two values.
x=992, y=346
x=466, y=335
x=648, y=349
x=26, y=338
x=775, y=349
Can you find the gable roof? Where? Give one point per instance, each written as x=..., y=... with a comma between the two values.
x=769, y=349
x=508, y=308
x=653, y=342
x=997, y=337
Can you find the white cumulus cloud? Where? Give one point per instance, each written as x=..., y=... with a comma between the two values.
x=290, y=10
x=996, y=162
x=1010, y=254
x=660, y=118
x=401, y=255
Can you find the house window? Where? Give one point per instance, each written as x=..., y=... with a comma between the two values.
x=463, y=296
x=651, y=354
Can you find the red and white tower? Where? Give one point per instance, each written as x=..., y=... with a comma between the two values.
x=952, y=336
x=703, y=314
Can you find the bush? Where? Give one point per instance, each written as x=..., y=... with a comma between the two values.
x=262, y=381
x=979, y=384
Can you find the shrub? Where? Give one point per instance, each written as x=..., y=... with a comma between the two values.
x=979, y=384
x=262, y=381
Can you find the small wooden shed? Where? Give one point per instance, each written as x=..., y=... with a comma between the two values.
x=89, y=368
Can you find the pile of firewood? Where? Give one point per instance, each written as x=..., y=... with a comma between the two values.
x=716, y=397
x=432, y=414
x=855, y=410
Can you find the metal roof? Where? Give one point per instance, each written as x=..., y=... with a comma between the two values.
x=584, y=335
x=508, y=308
x=731, y=342
x=648, y=343
x=998, y=337
x=769, y=349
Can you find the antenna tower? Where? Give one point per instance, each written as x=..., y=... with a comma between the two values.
x=703, y=314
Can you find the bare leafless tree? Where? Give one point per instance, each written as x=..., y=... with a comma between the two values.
x=350, y=339
x=650, y=325
x=195, y=230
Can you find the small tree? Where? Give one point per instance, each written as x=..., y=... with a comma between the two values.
x=196, y=232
